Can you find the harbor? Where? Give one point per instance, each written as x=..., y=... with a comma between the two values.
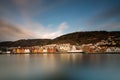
x=59, y=39
x=59, y=67
x=61, y=48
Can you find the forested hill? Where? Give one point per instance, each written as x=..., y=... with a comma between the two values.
x=86, y=37
x=25, y=42
x=77, y=38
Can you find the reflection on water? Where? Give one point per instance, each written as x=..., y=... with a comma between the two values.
x=60, y=67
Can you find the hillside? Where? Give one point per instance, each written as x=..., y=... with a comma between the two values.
x=25, y=43
x=86, y=37
x=77, y=38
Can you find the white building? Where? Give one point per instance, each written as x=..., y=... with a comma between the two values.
x=64, y=47
x=113, y=49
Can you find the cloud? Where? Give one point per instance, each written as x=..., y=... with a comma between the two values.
x=26, y=10
x=34, y=8
x=105, y=16
x=62, y=26
x=112, y=26
x=56, y=33
x=9, y=31
x=26, y=27
x=105, y=20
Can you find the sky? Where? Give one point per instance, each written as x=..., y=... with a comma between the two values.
x=48, y=19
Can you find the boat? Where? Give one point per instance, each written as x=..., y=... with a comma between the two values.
x=74, y=50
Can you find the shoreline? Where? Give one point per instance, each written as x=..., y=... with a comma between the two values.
x=66, y=53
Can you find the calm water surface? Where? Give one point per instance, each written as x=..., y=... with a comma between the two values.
x=60, y=67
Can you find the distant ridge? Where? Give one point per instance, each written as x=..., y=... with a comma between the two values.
x=76, y=38
x=25, y=43
x=86, y=37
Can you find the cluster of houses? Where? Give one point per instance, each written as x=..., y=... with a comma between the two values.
x=94, y=48
x=34, y=49
x=53, y=48
x=99, y=47
x=110, y=41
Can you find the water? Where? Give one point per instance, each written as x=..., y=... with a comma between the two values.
x=60, y=67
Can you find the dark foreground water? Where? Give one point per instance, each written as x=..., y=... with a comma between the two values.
x=60, y=67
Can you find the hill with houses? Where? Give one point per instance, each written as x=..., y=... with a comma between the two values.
x=76, y=38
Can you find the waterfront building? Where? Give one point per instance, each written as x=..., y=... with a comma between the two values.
x=40, y=50
x=26, y=51
x=64, y=47
x=113, y=49
x=45, y=50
